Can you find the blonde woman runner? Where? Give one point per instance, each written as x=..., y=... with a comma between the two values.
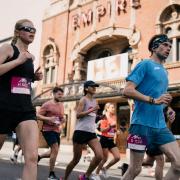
x=16, y=110
x=108, y=132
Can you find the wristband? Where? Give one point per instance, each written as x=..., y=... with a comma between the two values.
x=151, y=100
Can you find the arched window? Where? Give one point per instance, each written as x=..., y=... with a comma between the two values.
x=50, y=65
x=169, y=24
x=104, y=53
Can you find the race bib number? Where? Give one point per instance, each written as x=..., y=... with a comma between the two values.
x=136, y=142
x=20, y=85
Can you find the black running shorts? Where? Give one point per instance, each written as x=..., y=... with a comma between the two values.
x=9, y=120
x=83, y=137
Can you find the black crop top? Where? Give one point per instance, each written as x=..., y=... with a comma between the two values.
x=15, y=86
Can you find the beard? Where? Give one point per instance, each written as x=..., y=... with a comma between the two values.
x=161, y=57
x=56, y=100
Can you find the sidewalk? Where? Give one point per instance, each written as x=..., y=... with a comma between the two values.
x=65, y=155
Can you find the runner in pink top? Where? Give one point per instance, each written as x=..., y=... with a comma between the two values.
x=52, y=113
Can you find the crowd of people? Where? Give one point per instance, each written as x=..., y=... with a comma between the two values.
x=147, y=85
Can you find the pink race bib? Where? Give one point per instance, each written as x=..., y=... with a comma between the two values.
x=20, y=85
x=136, y=142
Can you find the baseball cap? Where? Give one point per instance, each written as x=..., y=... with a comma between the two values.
x=90, y=83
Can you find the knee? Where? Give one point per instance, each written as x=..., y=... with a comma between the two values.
x=31, y=158
x=54, y=150
x=116, y=159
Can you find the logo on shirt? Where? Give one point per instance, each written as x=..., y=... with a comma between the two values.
x=157, y=68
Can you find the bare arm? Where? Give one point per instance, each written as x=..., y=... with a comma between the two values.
x=81, y=113
x=131, y=92
x=6, y=51
x=41, y=115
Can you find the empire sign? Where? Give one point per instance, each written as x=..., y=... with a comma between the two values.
x=86, y=18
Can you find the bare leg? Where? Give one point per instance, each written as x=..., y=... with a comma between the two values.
x=53, y=156
x=2, y=139
x=27, y=132
x=45, y=155
x=97, y=149
x=116, y=155
x=77, y=152
x=149, y=161
x=105, y=157
x=171, y=150
x=136, y=159
x=159, y=167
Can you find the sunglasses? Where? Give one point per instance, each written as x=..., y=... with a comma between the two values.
x=27, y=29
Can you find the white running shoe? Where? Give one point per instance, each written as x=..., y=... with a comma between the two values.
x=94, y=177
x=104, y=173
x=14, y=159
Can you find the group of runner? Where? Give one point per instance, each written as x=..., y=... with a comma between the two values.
x=147, y=84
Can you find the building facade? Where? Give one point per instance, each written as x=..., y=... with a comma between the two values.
x=102, y=40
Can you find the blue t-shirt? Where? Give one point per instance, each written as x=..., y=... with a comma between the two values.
x=151, y=80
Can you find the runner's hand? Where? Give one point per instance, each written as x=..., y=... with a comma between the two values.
x=171, y=115
x=52, y=120
x=24, y=56
x=38, y=74
x=164, y=99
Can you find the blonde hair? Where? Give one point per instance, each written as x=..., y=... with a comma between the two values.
x=16, y=27
x=107, y=105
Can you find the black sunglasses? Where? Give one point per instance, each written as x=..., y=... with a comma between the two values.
x=27, y=29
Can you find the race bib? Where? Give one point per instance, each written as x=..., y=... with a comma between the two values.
x=111, y=132
x=20, y=85
x=136, y=142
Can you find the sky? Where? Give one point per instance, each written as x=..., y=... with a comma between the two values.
x=13, y=10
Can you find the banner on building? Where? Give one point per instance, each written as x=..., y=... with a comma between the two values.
x=108, y=68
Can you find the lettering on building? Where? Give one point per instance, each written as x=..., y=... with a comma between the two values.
x=86, y=18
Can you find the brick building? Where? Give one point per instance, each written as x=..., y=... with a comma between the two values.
x=103, y=40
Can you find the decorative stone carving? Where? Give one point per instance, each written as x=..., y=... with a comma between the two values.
x=135, y=4
x=135, y=37
x=78, y=68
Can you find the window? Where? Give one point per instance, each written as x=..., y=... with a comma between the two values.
x=169, y=24
x=50, y=65
x=104, y=53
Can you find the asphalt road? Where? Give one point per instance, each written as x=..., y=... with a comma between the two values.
x=10, y=171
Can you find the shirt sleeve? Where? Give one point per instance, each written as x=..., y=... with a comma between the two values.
x=43, y=109
x=138, y=73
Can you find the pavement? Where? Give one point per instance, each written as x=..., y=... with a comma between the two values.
x=66, y=153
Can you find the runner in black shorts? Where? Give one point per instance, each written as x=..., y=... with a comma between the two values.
x=16, y=109
x=52, y=115
x=85, y=131
x=108, y=132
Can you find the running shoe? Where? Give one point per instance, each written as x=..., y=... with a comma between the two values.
x=52, y=176
x=124, y=168
x=104, y=173
x=95, y=177
x=83, y=177
x=14, y=159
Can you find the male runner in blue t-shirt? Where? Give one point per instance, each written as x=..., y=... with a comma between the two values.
x=147, y=84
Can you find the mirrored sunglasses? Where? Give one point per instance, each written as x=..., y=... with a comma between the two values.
x=27, y=29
